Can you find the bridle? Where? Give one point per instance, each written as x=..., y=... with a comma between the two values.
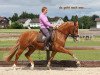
x=72, y=35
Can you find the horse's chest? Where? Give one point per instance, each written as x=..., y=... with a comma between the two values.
x=60, y=39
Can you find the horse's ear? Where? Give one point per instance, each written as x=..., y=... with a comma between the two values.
x=76, y=21
x=76, y=17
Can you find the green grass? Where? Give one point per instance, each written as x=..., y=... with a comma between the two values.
x=81, y=55
x=15, y=30
x=69, y=42
x=83, y=43
x=7, y=43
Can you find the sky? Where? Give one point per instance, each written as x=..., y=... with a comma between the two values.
x=9, y=7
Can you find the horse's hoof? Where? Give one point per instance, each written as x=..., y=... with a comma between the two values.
x=78, y=64
x=48, y=67
x=14, y=67
x=32, y=67
x=21, y=68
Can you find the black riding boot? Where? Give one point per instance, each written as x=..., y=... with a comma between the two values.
x=46, y=44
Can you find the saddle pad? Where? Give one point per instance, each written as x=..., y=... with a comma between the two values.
x=41, y=38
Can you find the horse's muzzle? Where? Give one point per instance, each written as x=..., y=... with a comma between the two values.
x=76, y=38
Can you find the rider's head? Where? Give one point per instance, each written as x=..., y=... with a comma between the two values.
x=44, y=10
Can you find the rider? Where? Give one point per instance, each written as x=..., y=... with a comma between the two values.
x=44, y=26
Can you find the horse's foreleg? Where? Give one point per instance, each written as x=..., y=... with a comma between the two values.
x=51, y=58
x=77, y=61
x=20, y=51
x=31, y=50
x=64, y=50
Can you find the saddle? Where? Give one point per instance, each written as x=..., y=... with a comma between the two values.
x=41, y=38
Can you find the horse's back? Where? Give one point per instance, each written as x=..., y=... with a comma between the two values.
x=27, y=36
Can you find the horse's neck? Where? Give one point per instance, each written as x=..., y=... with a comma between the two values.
x=64, y=35
x=60, y=37
x=64, y=28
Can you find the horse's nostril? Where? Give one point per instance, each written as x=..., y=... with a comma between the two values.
x=77, y=35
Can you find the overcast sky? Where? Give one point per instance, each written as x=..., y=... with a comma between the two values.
x=9, y=7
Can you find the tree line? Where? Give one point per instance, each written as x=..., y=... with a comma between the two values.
x=85, y=22
x=24, y=15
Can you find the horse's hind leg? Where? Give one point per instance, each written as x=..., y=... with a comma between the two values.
x=51, y=58
x=27, y=54
x=19, y=52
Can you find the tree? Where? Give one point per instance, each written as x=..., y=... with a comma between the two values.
x=85, y=22
x=28, y=15
x=24, y=15
x=73, y=18
x=65, y=19
x=94, y=17
x=16, y=25
x=14, y=17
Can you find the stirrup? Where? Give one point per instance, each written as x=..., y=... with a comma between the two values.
x=46, y=48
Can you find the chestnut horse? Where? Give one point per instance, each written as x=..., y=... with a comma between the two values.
x=29, y=40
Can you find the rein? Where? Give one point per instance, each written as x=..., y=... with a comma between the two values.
x=62, y=32
x=73, y=35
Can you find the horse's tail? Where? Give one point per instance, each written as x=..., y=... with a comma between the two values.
x=13, y=51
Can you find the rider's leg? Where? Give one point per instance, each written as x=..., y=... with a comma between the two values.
x=46, y=44
x=45, y=31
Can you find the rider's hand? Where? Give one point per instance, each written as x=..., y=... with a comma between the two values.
x=53, y=26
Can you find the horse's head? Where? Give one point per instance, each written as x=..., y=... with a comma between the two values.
x=74, y=31
x=70, y=27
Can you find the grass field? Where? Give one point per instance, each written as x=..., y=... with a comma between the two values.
x=40, y=55
x=69, y=42
x=15, y=30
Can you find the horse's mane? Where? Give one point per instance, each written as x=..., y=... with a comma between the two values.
x=65, y=24
x=70, y=22
x=61, y=25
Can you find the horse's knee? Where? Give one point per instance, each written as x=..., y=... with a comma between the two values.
x=17, y=55
x=26, y=54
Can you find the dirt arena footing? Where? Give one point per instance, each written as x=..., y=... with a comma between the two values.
x=54, y=63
